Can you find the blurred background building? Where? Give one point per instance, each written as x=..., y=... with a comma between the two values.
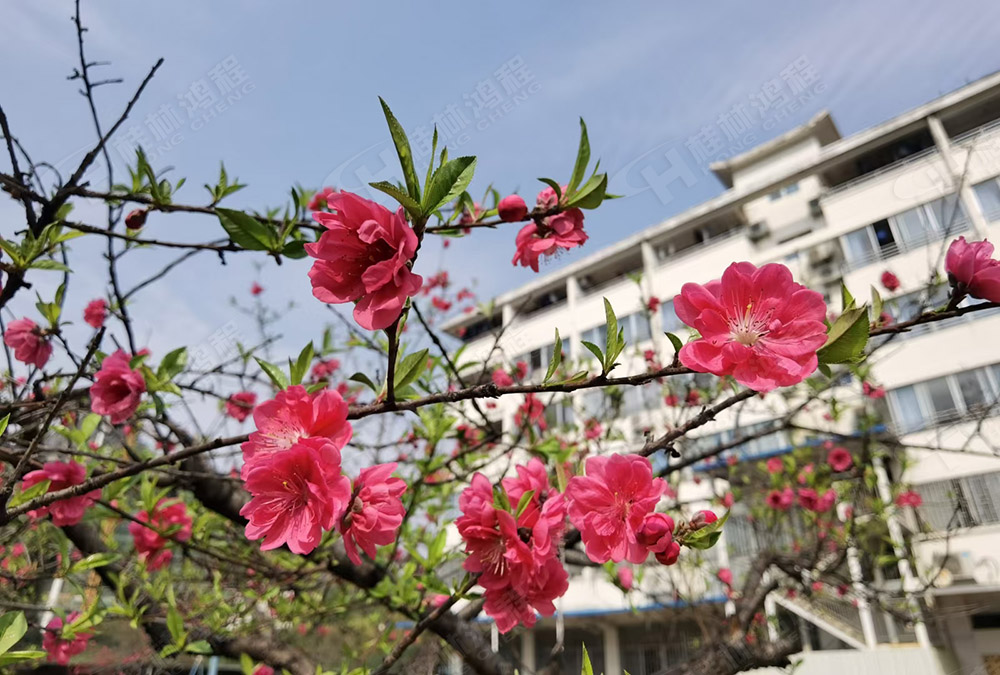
x=835, y=210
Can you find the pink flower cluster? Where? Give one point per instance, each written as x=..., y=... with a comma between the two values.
x=62, y=475
x=168, y=522
x=240, y=405
x=292, y=470
x=364, y=257
x=563, y=230
x=59, y=650
x=516, y=556
x=756, y=324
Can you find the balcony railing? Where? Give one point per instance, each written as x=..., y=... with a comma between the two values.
x=898, y=248
x=881, y=171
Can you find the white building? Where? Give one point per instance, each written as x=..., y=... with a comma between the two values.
x=833, y=209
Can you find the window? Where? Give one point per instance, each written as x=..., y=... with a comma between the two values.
x=783, y=192
x=905, y=231
x=539, y=359
x=961, y=502
x=944, y=399
x=911, y=305
x=597, y=335
x=636, y=328
x=988, y=194
x=671, y=322
x=559, y=413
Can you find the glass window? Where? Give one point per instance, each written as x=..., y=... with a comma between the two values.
x=597, y=335
x=791, y=189
x=884, y=236
x=535, y=362
x=671, y=322
x=941, y=399
x=972, y=389
x=913, y=227
x=906, y=409
x=858, y=247
x=988, y=194
x=948, y=213
x=636, y=328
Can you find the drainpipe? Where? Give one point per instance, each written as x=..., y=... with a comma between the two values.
x=903, y=563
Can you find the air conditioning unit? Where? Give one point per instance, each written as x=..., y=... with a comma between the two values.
x=823, y=254
x=758, y=231
x=954, y=567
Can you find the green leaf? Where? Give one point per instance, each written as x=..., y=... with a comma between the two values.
x=554, y=185
x=93, y=561
x=274, y=372
x=556, y=358
x=295, y=249
x=13, y=626
x=675, y=342
x=449, y=181
x=591, y=195
x=615, y=343
x=877, y=305
x=172, y=364
x=3, y=423
x=49, y=264
x=408, y=203
x=594, y=349
x=847, y=338
x=582, y=160
x=175, y=624
x=299, y=369
x=847, y=300
x=246, y=664
x=403, y=150
x=199, y=647
x=20, y=656
x=410, y=368
x=587, y=668
x=365, y=380
x=244, y=230
x=23, y=496
x=523, y=502
x=430, y=164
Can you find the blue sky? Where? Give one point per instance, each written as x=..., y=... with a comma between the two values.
x=646, y=76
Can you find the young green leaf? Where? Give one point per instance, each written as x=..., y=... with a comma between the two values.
x=449, y=181
x=556, y=358
x=847, y=338
x=591, y=195
x=407, y=202
x=279, y=379
x=409, y=368
x=582, y=160
x=587, y=668
x=675, y=342
x=13, y=626
x=300, y=367
x=23, y=496
x=595, y=350
x=403, y=151
x=365, y=380
x=244, y=230
x=554, y=185
x=3, y=423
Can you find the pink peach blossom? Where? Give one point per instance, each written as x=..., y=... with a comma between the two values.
x=775, y=465
x=321, y=198
x=59, y=650
x=29, y=345
x=168, y=517
x=890, y=281
x=909, y=498
x=756, y=324
x=839, y=459
x=117, y=389
x=501, y=378
x=609, y=504
x=780, y=500
x=363, y=257
x=240, y=405
x=295, y=414
x=626, y=577
x=972, y=267
x=296, y=495
x=61, y=476
x=96, y=312
x=375, y=513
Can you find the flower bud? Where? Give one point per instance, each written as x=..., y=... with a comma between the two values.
x=135, y=219
x=656, y=532
x=670, y=555
x=703, y=518
x=512, y=208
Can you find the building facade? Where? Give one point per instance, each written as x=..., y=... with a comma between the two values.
x=834, y=210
